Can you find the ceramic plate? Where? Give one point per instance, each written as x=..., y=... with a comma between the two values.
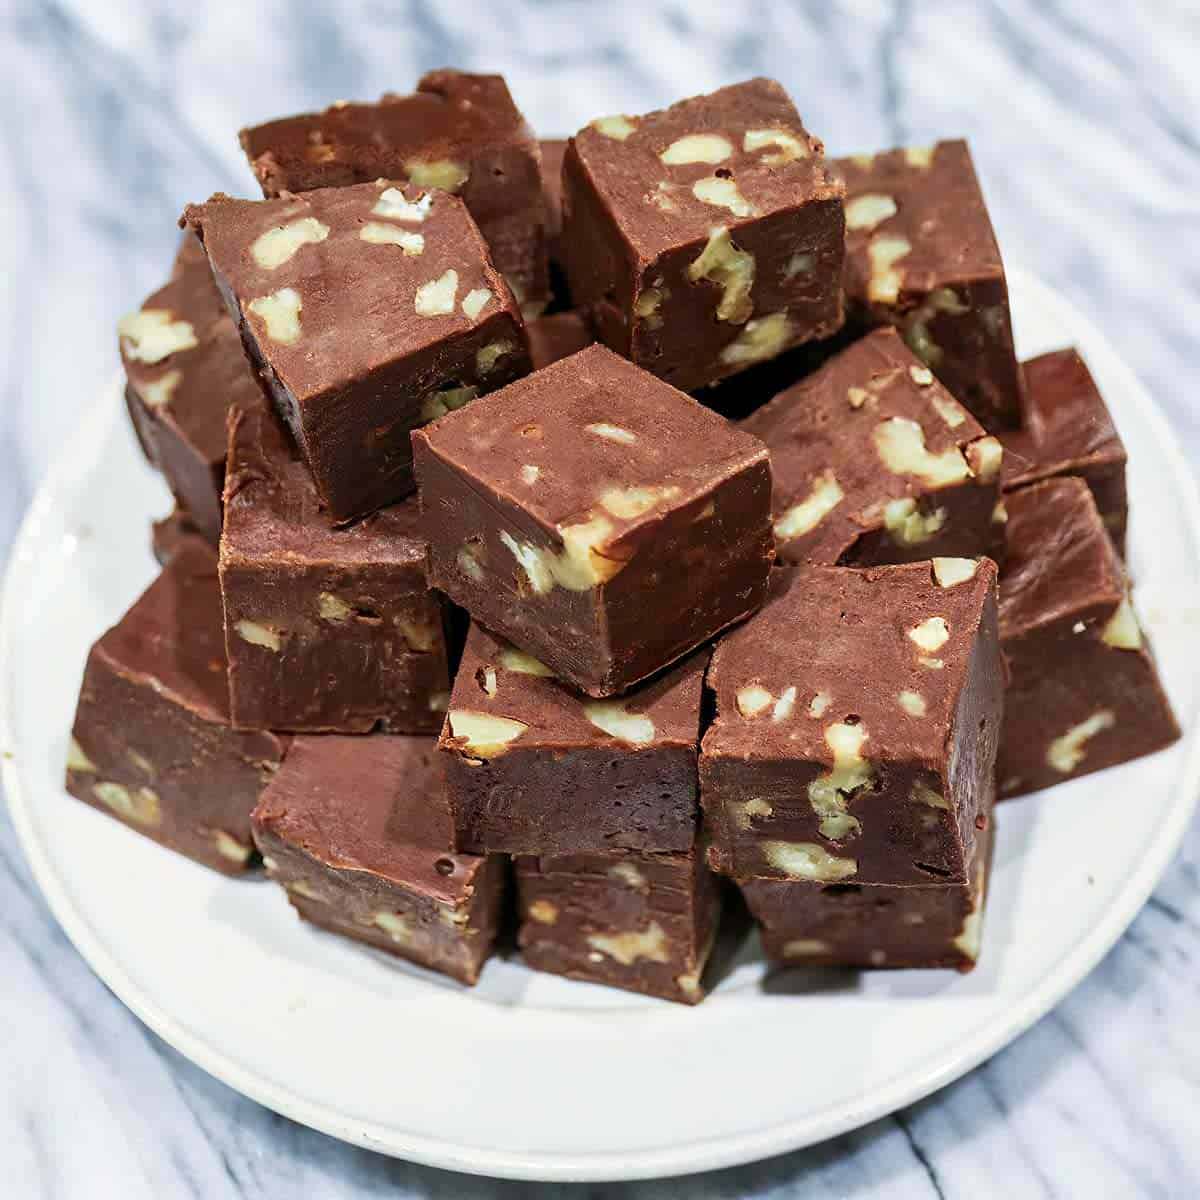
x=528, y=1075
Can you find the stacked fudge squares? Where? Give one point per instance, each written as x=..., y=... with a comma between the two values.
x=568, y=533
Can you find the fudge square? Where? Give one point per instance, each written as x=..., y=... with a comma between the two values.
x=873, y=925
x=596, y=517
x=921, y=255
x=458, y=132
x=642, y=922
x=856, y=726
x=356, y=830
x=873, y=461
x=533, y=768
x=706, y=237
x=368, y=310
x=1083, y=692
x=1068, y=431
x=152, y=744
x=185, y=366
x=328, y=629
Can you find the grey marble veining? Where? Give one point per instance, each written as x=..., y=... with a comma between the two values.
x=1082, y=117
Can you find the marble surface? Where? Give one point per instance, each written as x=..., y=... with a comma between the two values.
x=1082, y=120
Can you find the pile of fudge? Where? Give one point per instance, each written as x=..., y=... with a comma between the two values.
x=593, y=537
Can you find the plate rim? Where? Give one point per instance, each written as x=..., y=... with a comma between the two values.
x=683, y=1158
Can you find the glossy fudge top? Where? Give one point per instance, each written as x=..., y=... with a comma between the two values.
x=183, y=355
x=273, y=512
x=339, y=283
x=173, y=638
x=870, y=426
x=504, y=698
x=927, y=199
x=593, y=438
x=1067, y=422
x=369, y=803
x=869, y=660
x=669, y=177
x=1060, y=564
x=429, y=136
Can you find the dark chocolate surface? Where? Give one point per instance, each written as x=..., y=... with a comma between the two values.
x=532, y=767
x=1083, y=692
x=707, y=236
x=329, y=629
x=873, y=461
x=860, y=750
x=921, y=255
x=565, y=510
x=458, y=131
x=369, y=309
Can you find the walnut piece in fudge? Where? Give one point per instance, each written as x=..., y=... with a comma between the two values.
x=873, y=925
x=184, y=365
x=557, y=336
x=458, y=132
x=534, y=768
x=369, y=310
x=873, y=462
x=705, y=237
x=597, y=518
x=921, y=255
x=1068, y=431
x=856, y=726
x=642, y=922
x=152, y=743
x=1083, y=691
x=327, y=628
x=357, y=832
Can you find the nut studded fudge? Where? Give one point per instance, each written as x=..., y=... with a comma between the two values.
x=1068, y=431
x=534, y=768
x=597, y=518
x=705, y=237
x=873, y=461
x=458, y=132
x=184, y=365
x=356, y=831
x=874, y=925
x=642, y=922
x=921, y=255
x=1083, y=692
x=856, y=726
x=152, y=744
x=369, y=310
x=327, y=629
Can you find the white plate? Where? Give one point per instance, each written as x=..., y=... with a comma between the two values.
x=528, y=1075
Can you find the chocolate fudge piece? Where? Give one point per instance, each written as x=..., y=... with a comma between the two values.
x=533, y=768
x=856, y=726
x=557, y=336
x=369, y=310
x=706, y=237
x=1083, y=692
x=152, y=744
x=873, y=925
x=873, y=461
x=552, y=160
x=458, y=132
x=596, y=517
x=642, y=922
x=921, y=255
x=327, y=629
x=174, y=531
x=1068, y=431
x=357, y=832
x=184, y=363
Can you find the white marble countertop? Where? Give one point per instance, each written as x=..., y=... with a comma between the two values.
x=1082, y=118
